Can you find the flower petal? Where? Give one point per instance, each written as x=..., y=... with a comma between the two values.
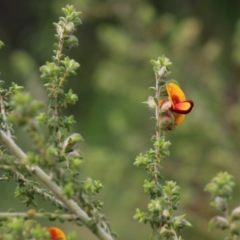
x=179, y=119
x=56, y=233
x=175, y=93
x=165, y=105
x=183, y=107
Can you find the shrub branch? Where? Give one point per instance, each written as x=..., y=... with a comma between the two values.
x=52, y=186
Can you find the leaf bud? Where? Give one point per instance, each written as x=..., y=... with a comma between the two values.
x=235, y=215
x=70, y=27
x=235, y=228
x=31, y=213
x=220, y=203
x=70, y=42
x=180, y=222
x=155, y=206
x=71, y=141
x=162, y=71
x=218, y=222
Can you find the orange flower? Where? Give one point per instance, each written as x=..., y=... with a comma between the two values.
x=56, y=233
x=177, y=97
x=179, y=105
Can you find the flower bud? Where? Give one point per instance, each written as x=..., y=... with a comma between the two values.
x=218, y=222
x=165, y=105
x=221, y=204
x=235, y=228
x=69, y=27
x=162, y=71
x=235, y=215
x=180, y=222
x=60, y=30
x=167, y=123
x=151, y=102
x=166, y=214
x=70, y=141
x=31, y=213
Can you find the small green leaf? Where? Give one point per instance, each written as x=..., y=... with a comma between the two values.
x=155, y=63
x=141, y=160
x=152, y=89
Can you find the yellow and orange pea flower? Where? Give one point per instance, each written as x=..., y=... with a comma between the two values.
x=56, y=233
x=180, y=106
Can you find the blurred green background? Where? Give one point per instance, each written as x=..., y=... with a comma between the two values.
x=116, y=42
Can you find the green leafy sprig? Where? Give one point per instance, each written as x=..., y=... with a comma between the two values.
x=221, y=191
x=51, y=168
x=164, y=197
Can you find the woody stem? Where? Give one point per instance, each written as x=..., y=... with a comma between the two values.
x=159, y=76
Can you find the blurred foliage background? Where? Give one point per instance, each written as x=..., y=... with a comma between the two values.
x=116, y=42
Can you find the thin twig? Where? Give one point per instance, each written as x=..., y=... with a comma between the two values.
x=159, y=76
x=4, y=116
x=32, y=214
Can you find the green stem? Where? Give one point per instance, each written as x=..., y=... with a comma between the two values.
x=59, y=51
x=175, y=237
x=159, y=76
x=53, y=187
x=31, y=214
x=158, y=133
x=226, y=214
x=4, y=116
